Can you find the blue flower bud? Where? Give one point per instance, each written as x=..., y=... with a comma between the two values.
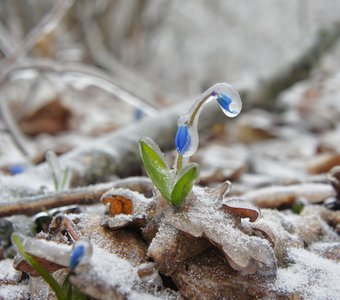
x=76, y=256
x=183, y=139
x=224, y=101
x=17, y=169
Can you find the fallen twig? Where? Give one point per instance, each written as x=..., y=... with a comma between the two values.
x=85, y=195
x=278, y=196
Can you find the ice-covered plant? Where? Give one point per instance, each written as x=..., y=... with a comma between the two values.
x=81, y=252
x=176, y=184
x=61, y=176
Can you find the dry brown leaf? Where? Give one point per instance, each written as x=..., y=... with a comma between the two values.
x=52, y=118
x=118, y=205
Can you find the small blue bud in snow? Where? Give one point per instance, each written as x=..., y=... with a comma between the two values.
x=76, y=256
x=16, y=169
x=138, y=114
x=224, y=101
x=183, y=139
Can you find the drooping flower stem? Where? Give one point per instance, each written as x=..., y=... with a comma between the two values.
x=187, y=135
x=179, y=162
x=196, y=108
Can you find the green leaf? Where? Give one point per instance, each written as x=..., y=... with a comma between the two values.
x=184, y=184
x=73, y=293
x=37, y=267
x=156, y=166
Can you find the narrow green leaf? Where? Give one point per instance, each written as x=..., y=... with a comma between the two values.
x=37, y=267
x=184, y=184
x=156, y=166
x=77, y=294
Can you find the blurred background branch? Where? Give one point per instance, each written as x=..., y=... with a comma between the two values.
x=150, y=55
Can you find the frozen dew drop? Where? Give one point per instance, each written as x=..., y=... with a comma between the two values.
x=228, y=99
x=81, y=253
x=183, y=139
x=229, y=107
x=186, y=140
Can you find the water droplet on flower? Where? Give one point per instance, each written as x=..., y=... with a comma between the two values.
x=81, y=253
x=228, y=99
x=231, y=108
x=186, y=140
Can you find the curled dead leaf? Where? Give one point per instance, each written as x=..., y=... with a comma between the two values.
x=118, y=204
x=126, y=208
x=242, y=209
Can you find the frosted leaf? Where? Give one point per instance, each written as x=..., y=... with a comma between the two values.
x=48, y=250
x=134, y=207
x=110, y=277
x=126, y=244
x=171, y=247
x=270, y=228
x=209, y=276
x=242, y=209
x=202, y=217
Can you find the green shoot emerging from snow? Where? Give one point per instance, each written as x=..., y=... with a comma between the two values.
x=61, y=177
x=175, y=185
x=64, y=292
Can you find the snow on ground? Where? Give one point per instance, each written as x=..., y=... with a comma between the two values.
x=310, y=275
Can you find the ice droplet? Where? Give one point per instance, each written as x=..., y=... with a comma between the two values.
x=186, y=139
x=228, y=99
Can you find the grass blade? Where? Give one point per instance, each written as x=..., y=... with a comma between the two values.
x=37, y=267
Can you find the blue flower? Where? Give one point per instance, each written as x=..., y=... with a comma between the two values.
x=224, y=101
x=76, y=256
x=183, y=139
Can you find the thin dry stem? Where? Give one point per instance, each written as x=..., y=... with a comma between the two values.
x=86, y=195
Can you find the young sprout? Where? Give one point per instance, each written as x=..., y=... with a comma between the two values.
x=81, y=253
x=61, y=177
x=187, y=134
x=175, y=185
x=17, y=240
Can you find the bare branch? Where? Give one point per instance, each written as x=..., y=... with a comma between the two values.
x=46, y=25
x=83, y=75
x=86, y=195
x=105, y=58
x=7, y=43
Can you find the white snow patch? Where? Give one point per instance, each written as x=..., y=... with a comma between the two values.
x=7, y=272
x=14, y=292
x=310, y=276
